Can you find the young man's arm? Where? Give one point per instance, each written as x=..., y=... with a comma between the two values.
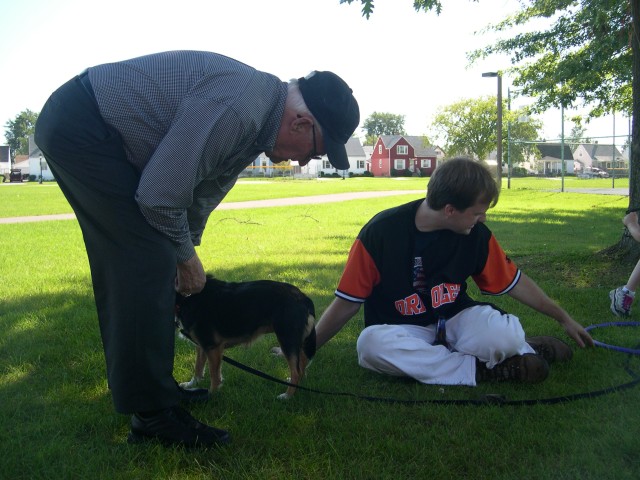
x=526, y=291
x=334, y=318
x=331, y=322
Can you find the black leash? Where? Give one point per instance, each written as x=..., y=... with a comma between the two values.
x=488, y=399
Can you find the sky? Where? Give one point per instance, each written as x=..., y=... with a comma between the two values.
x=399, y=61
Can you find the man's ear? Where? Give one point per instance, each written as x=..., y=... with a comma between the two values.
x=301, y=123
x=449, y=210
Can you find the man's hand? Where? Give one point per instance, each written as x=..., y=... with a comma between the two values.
x=190, y=277
x=578, y=333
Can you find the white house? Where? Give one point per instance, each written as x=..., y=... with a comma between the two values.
x=605, y=157
x=263, y=167
x=357, y=162
x=552, y=155
x=37, y=164
x=5, y=159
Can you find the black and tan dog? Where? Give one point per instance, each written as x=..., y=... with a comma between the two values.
x=226, y=314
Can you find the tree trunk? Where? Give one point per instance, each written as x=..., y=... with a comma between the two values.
x=634, y=157
x=627, y=249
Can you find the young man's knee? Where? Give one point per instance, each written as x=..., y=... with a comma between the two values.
x=496, y=333
x=368, y=342
x=505, y=335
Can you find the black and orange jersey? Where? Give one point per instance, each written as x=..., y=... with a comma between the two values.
x=379, y=270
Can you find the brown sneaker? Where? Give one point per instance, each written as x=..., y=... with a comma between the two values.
x=527, y=368
x=552, y=349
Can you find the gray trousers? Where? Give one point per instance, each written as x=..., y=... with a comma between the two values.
x=133, y=266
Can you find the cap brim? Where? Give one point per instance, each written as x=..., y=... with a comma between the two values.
x=337, y=153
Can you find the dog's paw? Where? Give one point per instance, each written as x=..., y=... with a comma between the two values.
x=216, y=385
x=277, y=351
x=284, y=396
x=190, y=384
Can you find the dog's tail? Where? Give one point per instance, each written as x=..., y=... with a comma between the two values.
x=309, y=343
x=311, y=308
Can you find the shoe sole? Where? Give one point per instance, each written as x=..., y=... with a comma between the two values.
x=195, y=398
x=531, y=368
x=534, y=371
x=135, y=438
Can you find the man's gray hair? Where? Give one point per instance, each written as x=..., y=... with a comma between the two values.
x=296, y=103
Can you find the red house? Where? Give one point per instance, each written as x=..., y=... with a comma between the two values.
x=403, y=155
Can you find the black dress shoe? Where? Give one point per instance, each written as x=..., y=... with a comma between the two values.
x=193, y=395
x=175, y=426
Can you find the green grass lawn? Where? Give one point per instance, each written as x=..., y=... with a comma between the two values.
x=46, y=198
x=57, y=420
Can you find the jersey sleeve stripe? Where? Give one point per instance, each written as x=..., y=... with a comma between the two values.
x=349, y=298
x=505, y=290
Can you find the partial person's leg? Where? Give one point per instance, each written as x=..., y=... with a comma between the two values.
x=487, y=334
x=497, y=340
x=407, y=350
x=132, y=265
x=634, y=279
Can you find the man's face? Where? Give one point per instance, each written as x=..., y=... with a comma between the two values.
x=301, y=144
x=463, y=221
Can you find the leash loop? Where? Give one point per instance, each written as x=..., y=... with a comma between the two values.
x=484, y=400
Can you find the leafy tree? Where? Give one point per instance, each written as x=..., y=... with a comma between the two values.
x=584, y=55
x=520, y=132
x=576, y=135
x=589, y=53
x=18, y=131
x=587, y=50
x=426, y=5
x=378, y=124
x=468, y=127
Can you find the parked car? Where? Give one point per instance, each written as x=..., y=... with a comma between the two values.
x=599, y=173
x=593, y=172
x=15, y=175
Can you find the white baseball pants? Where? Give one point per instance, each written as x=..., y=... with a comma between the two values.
x=480, y=332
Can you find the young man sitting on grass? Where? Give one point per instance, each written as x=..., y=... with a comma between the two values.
x=409, y=267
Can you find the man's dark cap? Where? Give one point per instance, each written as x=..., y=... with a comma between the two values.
x=331, y=102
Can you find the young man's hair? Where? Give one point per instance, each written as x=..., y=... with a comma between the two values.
x=461, y=182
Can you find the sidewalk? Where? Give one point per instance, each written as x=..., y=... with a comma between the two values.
x=313, y=199
x=276, y=202
x=600, y=191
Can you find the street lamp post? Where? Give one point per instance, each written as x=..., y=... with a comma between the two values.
x=613, y=153
x=499, y=127
x=562, y=147
x=509, y=138
x=40, y=158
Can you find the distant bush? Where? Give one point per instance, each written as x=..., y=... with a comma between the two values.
x=401, y=173
x=519, y=172
x=363, y=174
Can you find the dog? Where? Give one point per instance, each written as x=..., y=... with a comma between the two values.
x=226, y=314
